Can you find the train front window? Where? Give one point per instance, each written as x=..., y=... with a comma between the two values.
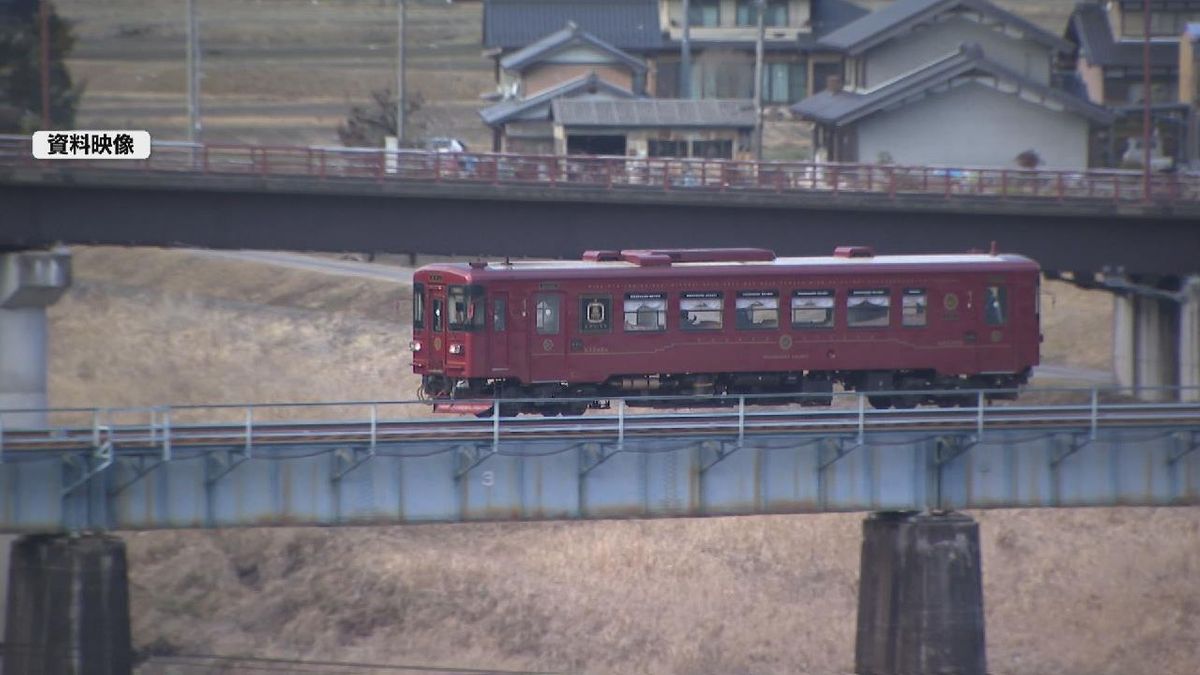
x=995, y=306
x=757, y=309
x=812, y=309
x=701, y=310
x=498, y=315
x=466, y=307
x=868, y=308
x=645, y=311
x=914, y=309
x=418, y=307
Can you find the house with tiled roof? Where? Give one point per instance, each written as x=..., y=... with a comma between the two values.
x=951, y=82
x=1107, y=57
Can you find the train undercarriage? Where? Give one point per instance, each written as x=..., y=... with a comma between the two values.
x=884, y=389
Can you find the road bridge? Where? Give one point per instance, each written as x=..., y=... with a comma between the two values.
x=214, y=196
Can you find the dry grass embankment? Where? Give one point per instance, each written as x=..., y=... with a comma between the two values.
x=1070, y=592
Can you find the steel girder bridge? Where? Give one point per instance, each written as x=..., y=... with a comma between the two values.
x=382, y=462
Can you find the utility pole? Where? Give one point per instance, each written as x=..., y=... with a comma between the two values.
x=761, y=5
x=685, y=64
x=44, y=29
x=401, y=6
x=193, y=73
x=1146, y=100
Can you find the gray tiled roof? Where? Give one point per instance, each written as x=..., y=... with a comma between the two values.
x=551, y=43
x=830, y=15
x=880, y=25
x=627, y=24
x=506, y=110
x=655, y=113
x=846, y=107
x=1089, y=27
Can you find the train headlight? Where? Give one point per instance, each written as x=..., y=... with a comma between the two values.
x=414, y=346
x=456, y=349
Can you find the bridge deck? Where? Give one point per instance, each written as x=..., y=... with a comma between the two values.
x=355, y=463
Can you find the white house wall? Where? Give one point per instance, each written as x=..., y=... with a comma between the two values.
x=974, y=125
x=917, y=49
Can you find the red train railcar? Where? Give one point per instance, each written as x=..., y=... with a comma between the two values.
x=724, y=321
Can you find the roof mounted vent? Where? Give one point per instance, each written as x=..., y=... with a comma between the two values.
x=854, y=252
x=601, y=256
x=667, y=256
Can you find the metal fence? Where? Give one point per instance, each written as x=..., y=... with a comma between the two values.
x=631, y=173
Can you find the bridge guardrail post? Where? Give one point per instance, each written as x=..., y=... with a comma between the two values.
x=741, y=419
x=979, y=401
x=374, y=426
x=862, y=417
x=249, y=447
x=1095, y=410
x=495, y=423
x=621, y=424
x=1, y=439
x=166, y=431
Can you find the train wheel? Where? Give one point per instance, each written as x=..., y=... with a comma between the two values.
x=880, y=402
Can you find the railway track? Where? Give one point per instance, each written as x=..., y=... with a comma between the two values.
x=159, y=436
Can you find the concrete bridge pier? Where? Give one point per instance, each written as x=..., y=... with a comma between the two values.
x=920, y=596
x=68, y=607
x=1189, y=340
x=30, y=281
x=1156, y=339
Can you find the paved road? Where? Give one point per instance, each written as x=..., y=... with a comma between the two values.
x=346, y=268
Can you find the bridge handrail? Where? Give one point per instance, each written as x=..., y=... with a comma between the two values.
x=162, y=429
x=632, y=173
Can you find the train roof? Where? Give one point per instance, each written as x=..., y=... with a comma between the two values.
x=651, y=263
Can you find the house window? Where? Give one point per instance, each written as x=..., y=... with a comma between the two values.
x=867, y=308
x=914, y=309
x=812, y=309
x=645, y=312
x=783, y=82
x=657, y=148
x=726, y=76
x=776, y=15
x=701, y=310
x=595, y=314
x=757, y=309
x=705, y=13
x=666, y=79
x=821, y=74
x=712, y=149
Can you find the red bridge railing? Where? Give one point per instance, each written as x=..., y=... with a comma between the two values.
x=611, y=173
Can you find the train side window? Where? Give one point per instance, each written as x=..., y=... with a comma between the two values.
x=645, y=311
x=914, y=308
x=701, y=310
x=418, y=307
x=995, y=306
x=548, y=312
x=757, y=309
x=868, y=308
x=595, y=314
x=812, y=309
x=499, y=315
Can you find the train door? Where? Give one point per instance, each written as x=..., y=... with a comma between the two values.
x=548, y=344
x=995, y=327
x=437, y=328
x=499, y=337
